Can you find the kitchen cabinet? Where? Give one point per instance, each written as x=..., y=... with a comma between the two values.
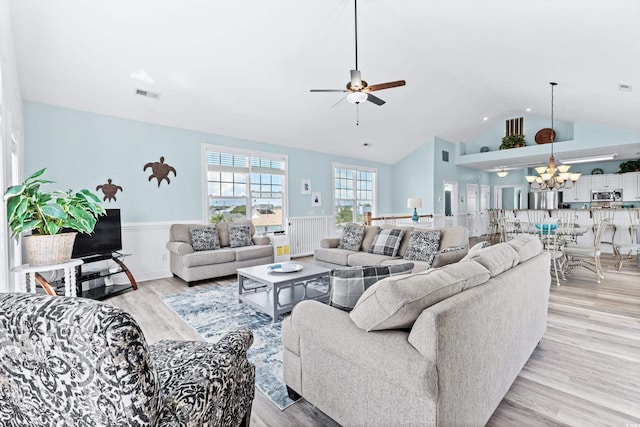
x=580, y=192
x=606, y=182
x=631, y=187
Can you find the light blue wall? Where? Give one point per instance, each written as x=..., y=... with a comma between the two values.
x=83, y=150
x=413, y=176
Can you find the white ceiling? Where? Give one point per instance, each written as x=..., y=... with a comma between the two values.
x=245, y=68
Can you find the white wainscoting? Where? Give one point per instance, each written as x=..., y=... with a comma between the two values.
x=146, y=242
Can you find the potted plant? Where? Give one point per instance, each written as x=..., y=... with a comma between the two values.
x=630, y=166
x=49, y=215
x=512, y=141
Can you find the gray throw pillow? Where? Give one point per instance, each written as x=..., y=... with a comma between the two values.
x=204, y=238
x=423, y=245
x=349, y=283
x=351, y=238
x=387, y=242
x=239, y=235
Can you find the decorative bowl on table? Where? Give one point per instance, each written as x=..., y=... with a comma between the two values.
x=285, y=267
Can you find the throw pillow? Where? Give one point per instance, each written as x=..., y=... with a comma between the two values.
x=348, y=283
x=204, y=238
x=423, y=245
x=396, y=302
x=387, y=242
x=351, y=238
x=239, y=235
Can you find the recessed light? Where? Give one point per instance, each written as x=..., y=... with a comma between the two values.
x=484, y=119
x=624, y=87
x=528, y=110
x=143, y=76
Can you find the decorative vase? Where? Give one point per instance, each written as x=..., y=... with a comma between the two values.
x=48, y=249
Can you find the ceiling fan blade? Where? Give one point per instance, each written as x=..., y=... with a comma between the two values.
x=328, y=90
x=337, y=103
x=374, y=99
x=356, y=80
x=386, y=85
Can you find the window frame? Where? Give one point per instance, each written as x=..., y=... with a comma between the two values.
x=250, y=169
x=355, y=169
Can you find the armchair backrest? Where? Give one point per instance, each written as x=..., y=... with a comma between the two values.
x=63, y=360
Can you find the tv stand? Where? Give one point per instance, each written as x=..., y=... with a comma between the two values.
x=102, y=291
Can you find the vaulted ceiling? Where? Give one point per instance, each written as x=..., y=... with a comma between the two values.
x=245, y=68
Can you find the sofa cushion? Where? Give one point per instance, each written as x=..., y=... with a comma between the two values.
x=497, y=259
x=526, y=245
x=204, y=238
x=364, y=258
x=180, y=232
x=423, y=245
x=219, y=256
x=239, y=235
x=245, y=253
x=370, y=233
x=348, y=283
x=386, y=242
x=454, y=236
x=396, y=302
x=351, y=238
x=332, y=255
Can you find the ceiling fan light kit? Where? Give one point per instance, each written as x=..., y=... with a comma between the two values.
x=357, y=89
x=552, y=177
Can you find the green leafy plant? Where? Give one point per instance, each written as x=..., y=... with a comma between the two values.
x=512, y=141
x=630, y=166
x=30, y=208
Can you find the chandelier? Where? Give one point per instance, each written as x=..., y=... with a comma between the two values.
x=552, y=177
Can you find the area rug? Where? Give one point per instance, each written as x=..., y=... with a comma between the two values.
x=213, y=311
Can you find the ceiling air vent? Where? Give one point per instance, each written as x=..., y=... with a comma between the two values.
x=624, y=88
x=148, y=94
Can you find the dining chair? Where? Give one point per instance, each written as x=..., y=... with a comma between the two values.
x=597, y=215
x=536, y=216
x=552, y=243
x=588, y=256
x=567, y=227
x=634, y=224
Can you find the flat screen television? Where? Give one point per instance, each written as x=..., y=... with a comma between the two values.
x=105, y=239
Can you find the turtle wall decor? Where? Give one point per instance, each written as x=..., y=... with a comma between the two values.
x=109, y=190
x=160, y=170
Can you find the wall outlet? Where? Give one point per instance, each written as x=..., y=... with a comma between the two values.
x=164, y=257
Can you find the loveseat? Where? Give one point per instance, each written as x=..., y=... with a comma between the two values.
x=194, y=254
x=450, y=245
x=436, y=348
x=67, y=361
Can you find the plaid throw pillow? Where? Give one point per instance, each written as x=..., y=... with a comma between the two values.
x=349, y=283
x=423, y=246
x=351, y=238
x=204, y=238
x=239, y=235
x=387, y=242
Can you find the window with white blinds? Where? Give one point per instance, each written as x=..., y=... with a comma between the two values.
x=247, y=185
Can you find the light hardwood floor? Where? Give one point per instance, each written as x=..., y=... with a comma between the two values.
x=584, y=372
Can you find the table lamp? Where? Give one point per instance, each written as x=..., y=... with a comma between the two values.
x=414, y=203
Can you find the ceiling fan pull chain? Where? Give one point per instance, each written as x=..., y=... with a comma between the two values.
x=357, y=115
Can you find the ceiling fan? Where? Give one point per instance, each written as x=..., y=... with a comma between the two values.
x=359, y=90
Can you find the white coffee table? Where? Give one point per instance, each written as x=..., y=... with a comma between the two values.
x=277, y=293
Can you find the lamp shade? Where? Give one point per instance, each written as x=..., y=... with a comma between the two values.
x=414, y=203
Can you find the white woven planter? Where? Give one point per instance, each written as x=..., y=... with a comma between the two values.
x=49, y=249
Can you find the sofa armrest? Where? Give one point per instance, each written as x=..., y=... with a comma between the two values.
x=449, y=256
x=261, y=240
x=329, y=242
x=180, y=248
x=197, y=379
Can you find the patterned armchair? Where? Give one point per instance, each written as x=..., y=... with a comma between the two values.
x=71, y=361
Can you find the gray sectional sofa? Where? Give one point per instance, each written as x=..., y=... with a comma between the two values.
x=435, y=348
x=191, y=265
x=454, y=244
